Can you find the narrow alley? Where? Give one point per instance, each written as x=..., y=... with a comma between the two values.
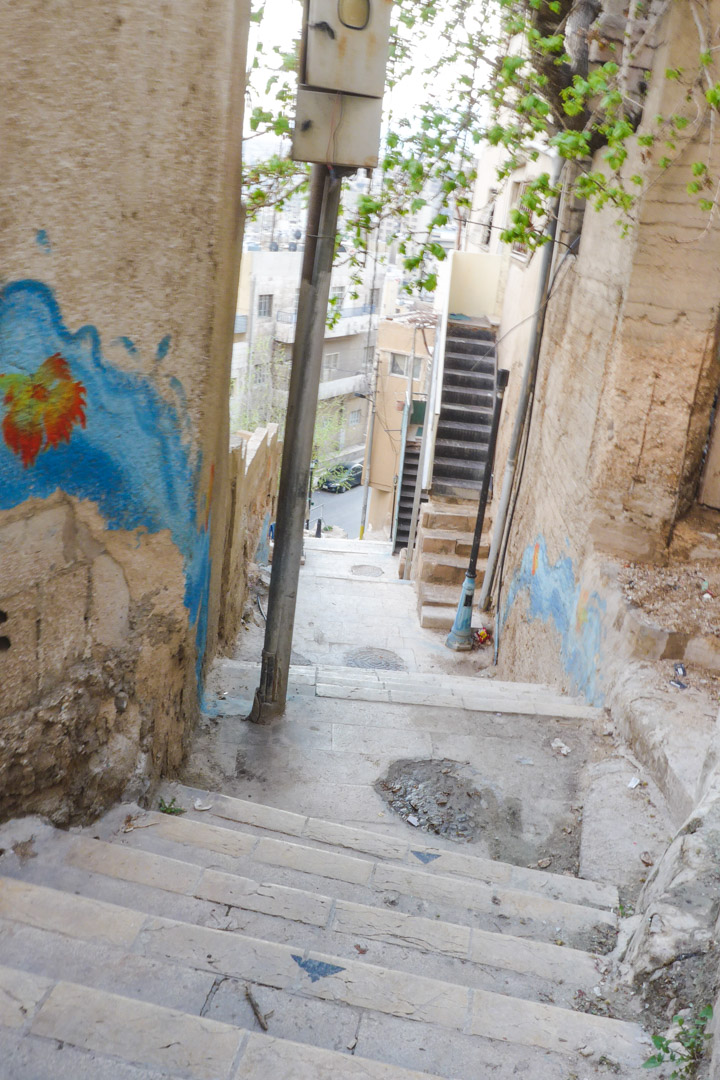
x=419, y=868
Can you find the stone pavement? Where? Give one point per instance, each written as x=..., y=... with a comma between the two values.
x=290, y=923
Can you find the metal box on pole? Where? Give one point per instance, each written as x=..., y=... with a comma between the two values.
x=342, y=78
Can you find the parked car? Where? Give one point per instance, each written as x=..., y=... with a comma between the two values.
x=343, y=477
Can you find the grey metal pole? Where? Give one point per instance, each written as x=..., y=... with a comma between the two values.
x=369, y=447
x=321, y=232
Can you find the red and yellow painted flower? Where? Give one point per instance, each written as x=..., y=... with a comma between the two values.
x=42, y=409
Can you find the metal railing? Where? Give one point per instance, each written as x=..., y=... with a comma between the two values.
x=345, y=313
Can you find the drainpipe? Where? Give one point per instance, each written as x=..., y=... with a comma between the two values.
x=526, y=391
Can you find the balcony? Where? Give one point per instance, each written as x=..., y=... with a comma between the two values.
x=353, y=320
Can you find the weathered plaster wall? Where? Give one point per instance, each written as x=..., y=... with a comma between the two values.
x=119, y=247
x=628, y=372
x=252, y=495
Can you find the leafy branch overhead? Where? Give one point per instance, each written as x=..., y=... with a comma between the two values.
x=519, y=75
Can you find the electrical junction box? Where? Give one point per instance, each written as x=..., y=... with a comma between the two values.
x=336, y=129
x=345, y=45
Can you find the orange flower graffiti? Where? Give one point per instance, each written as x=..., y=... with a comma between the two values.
x=42, y=408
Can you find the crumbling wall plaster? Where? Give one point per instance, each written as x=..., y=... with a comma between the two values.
x=628, y=372
x=120, y=245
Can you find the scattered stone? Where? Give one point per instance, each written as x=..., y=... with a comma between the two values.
x=544, y=863
x=200, y=805
x=647, y=859
x=635, y=782
x=559, y=745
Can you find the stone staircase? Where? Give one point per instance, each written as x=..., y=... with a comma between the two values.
x=152, y=945
x=445, y=535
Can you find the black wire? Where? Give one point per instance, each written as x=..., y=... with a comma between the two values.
x=257, y=597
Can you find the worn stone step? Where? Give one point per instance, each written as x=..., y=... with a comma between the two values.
x=379, y=845
x=439, y=616
x=470, y=693
x=38, y=926
x=450, y=542
x=442, y=568
x=463, y=900
x=148, y=1036
x=365, y=987
x=455, y=519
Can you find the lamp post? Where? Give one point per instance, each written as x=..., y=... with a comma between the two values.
x=460, y=637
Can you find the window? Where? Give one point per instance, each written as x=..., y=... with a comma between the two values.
x=265, y=306
x=517, y=192
x=374, y=299
x=260, y=374
x=398, y=363
x=337, y=297
x=369, y=355
x=487, y=215
x=330, y=364
x=354, y=418
x=417, y=367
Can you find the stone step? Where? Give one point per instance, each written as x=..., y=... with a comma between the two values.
x=448, y=542
x=364, y=842
x=443, y=569
x=463, y=900
x=460, y=518
x=322, y=977
x=461, y=489
x=38, y=925
x=439, y=616
x=472, y=693
x=138, y=1039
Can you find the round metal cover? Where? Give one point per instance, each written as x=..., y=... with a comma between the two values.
x=363, y=570
x=375, y=658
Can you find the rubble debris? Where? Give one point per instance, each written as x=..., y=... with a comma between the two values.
x=200, y=805
x=559, y=745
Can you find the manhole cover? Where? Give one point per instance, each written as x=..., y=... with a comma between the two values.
x=366, y=571
x=375, y=658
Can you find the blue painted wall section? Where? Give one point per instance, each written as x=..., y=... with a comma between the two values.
x=555, y=596
x=129, y=452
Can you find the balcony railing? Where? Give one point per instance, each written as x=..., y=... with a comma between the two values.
x=345, y=313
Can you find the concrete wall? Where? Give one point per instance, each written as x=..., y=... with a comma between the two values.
x=628, y=373
x=120, y=244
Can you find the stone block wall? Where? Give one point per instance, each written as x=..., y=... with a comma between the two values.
x=628, y=373
x=119, y=257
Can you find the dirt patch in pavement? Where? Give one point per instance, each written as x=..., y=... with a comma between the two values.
x=449, y=799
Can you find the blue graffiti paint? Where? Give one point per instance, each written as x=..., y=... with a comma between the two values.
x=127, y=343
x=133, y=459
x=317, y=969
x=425, y=856
x=43, y=240
x=554, y=595
x=162, y=349
x=262, y=554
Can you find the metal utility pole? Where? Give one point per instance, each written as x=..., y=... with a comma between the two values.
x=369, y=446
x=460, y=637
x=321, y=231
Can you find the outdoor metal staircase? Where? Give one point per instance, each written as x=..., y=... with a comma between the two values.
x=463, y=432
x=406, y=493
